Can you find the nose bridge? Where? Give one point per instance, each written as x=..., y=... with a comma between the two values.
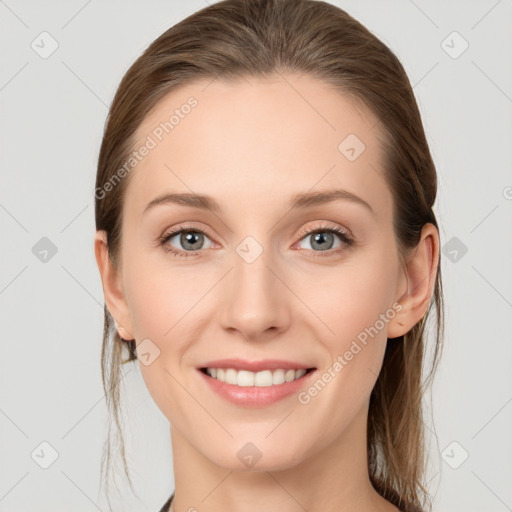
x=254, y=299
x=251, y=267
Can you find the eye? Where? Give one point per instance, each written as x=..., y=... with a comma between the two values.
x=190, y=238
x=324, y=243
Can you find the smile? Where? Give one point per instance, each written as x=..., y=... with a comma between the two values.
x=265, y=378
x=245, y=388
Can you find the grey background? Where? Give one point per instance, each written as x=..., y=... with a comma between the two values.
x=52, y=115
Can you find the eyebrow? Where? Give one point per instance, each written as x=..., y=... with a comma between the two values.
x=299, y=201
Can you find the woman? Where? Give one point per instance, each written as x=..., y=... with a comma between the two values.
x=269, y=252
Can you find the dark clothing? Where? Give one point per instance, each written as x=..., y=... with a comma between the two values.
x=165, y=508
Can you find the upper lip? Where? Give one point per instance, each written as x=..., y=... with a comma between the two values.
x=256, y=366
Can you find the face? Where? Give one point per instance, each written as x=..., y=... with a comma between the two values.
x=267, y=275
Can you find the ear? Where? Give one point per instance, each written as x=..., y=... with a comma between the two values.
x=112, y=287
x=419, y=279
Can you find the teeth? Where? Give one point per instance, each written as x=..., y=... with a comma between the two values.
x=258, y=379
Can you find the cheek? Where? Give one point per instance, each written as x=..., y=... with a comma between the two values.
x=350, y=299
x=166, y=308
x=354, y=304
x=159, y=297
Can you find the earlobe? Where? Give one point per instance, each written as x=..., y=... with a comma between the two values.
x=420, y=275
x=112, y=287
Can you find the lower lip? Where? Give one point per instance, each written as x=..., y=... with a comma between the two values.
x=256, y=396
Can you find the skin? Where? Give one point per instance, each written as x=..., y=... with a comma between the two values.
x=251, y=145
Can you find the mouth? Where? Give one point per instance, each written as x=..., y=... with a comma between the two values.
x=255, y=383
x=263, y=378
x=268, y=384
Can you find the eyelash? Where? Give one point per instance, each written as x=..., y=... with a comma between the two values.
x=345, y=238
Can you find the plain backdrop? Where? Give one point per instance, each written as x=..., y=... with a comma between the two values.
x=53, y=109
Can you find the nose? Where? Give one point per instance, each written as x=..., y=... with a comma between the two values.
x=255, y=299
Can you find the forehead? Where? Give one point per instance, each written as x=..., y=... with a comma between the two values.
x=280, y=135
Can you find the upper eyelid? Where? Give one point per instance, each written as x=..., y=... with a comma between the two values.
x=190, y=227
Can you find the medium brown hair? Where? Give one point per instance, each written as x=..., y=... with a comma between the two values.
x=234, y=39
